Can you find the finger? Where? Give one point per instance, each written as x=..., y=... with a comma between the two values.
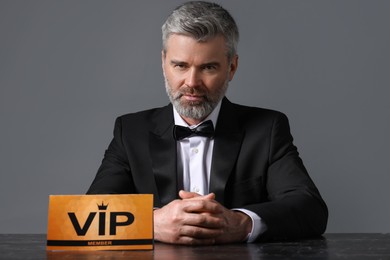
x=210, y=196
x=192, y=195
x=197, y=232
x=188, y=195
x=202, y=206
x=203, y=220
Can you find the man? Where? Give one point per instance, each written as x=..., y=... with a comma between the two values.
x=242, y=182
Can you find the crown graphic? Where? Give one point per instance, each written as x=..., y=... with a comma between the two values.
x=102, y=207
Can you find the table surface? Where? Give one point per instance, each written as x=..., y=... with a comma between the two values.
x=330, y=246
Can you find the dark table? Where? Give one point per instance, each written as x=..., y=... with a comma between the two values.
x=330, y=246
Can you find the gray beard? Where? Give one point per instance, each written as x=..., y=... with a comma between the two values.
x=195, y=110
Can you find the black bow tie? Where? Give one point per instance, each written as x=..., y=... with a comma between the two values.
x=205, y=129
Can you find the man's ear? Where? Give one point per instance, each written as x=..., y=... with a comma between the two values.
x=162, y=57
x=233, y=67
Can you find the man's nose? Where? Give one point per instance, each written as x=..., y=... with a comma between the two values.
x=193, y=78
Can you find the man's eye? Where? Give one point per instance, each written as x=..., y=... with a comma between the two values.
x=209, y=68
x=179, y=66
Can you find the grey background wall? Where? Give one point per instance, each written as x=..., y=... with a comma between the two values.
x=68, y=68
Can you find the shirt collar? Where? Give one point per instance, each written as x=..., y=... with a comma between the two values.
x=213, y=116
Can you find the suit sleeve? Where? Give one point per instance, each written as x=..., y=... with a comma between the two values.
x=294, y=208
x=113, y=176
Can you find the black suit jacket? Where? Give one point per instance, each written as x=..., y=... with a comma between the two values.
x=254, y=166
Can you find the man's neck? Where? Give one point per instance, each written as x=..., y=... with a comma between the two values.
x=192, y=121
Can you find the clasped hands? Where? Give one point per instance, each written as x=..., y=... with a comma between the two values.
x=199, y=220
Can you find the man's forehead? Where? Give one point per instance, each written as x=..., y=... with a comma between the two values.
x=187, y=44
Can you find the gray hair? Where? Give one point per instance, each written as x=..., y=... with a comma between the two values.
x=202, y=21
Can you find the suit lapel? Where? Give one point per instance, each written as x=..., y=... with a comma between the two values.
x=163, y=154
x=227, y=144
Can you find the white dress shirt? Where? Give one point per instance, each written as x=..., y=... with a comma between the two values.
x=194, y=157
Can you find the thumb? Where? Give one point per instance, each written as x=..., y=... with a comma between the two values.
x=192, y=195
x=188, y=195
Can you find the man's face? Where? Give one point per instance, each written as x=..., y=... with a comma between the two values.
x=196, y=75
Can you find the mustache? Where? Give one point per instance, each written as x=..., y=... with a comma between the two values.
x=185, y=90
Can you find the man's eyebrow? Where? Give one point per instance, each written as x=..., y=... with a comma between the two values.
x=177, y=62
x=212, y=63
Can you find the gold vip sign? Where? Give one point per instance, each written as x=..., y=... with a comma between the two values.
x=100, y=222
